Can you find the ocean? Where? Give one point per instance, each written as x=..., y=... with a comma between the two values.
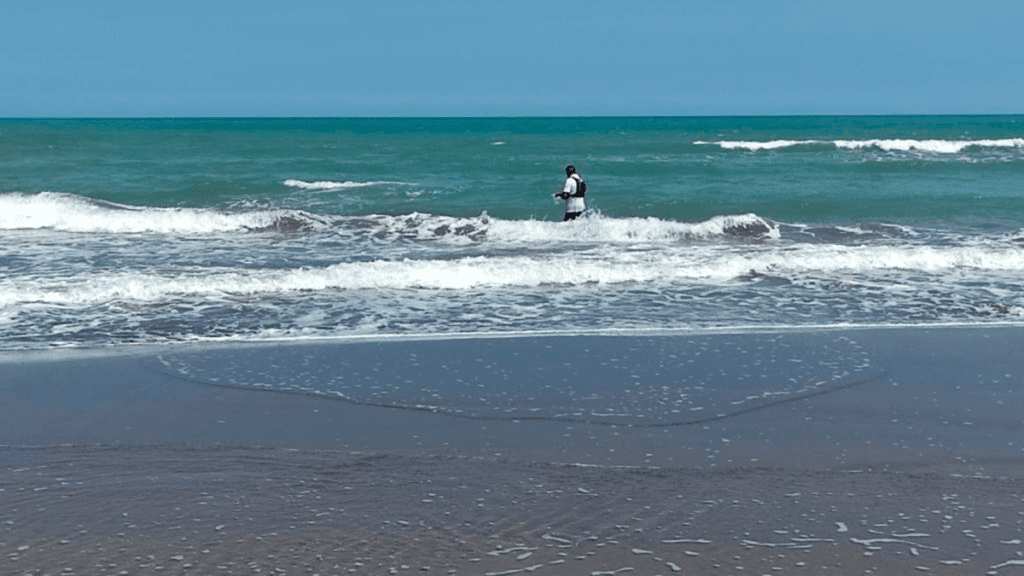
x=159, y=231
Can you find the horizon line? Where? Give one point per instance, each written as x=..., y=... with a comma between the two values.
x=508, y=117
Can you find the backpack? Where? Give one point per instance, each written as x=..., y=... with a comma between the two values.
x=581, y=187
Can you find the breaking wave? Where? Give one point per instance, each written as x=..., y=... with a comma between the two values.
x=693, y=265
x=888, y=145
x=329, y=185
x=72, y=213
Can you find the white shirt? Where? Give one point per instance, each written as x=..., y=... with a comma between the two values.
x=573, y=204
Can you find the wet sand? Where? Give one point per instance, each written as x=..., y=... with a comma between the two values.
x=849, y=452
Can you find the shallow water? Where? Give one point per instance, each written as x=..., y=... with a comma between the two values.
x=818, y=398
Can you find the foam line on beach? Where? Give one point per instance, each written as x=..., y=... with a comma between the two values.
x=336, y=396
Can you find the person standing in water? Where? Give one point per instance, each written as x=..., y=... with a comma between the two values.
x=573, y=192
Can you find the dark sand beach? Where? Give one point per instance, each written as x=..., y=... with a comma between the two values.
x=883, y=451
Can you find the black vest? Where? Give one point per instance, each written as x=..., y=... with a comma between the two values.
x=581, y=187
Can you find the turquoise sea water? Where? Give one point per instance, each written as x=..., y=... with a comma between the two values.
x=160, y=230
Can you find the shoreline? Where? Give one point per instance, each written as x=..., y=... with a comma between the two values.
x=129, y=348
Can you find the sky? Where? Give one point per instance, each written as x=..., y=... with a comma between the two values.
x=112, y=58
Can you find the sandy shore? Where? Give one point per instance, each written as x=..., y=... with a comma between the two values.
x=884, y=451
x=216, y=510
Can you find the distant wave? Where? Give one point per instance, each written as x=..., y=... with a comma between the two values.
x=903, y=145
x=754, y=146
x=329, y=185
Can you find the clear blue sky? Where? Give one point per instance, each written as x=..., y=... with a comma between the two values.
x=520, y=57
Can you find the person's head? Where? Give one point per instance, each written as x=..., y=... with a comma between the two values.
x=570, y=170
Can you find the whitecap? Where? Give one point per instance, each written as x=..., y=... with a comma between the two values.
x=686, y=265
x=888, y=145
x=72, y=213
x=331, y=185
x=754, y=146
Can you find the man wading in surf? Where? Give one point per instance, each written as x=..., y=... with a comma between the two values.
x=573, y=193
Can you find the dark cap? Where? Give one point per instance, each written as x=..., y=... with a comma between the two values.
x=570, y=170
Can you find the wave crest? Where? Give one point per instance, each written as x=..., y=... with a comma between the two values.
x=71, y=213
x=596, y=228
x=883, y=266
x=329, y=185
x=887, y=145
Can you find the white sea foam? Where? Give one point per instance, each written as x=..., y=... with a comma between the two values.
x=693, y=265
x=898, y=144
x=595, y=229
x=630, y=230
x=938, y=146
x=754, y=146
x=72, y=213
x=329, y=185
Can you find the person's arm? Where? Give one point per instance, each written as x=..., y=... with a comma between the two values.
x=569, y=189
